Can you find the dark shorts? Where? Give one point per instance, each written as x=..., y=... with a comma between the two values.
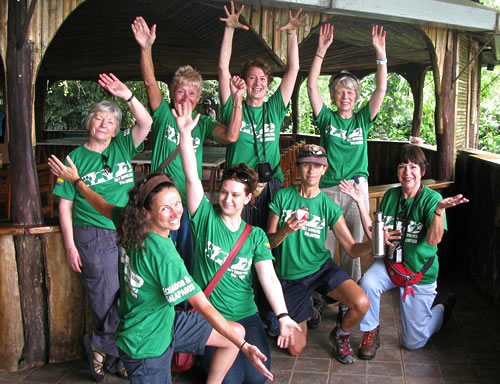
x=298, y=292
x=190, y=334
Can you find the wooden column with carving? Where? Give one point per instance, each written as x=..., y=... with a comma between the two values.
x=26, y=206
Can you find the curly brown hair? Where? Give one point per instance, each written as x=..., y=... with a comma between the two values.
x=134, y=229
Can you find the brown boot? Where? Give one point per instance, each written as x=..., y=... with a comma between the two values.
x=369, y=344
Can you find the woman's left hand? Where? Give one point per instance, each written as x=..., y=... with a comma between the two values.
x=183, y=116
x=294, y=21
x=114, y=86
x=451, y=202
x=238, y=87
x=392, y=235
x=58, y=168
x=378, y=40
x=288, y=327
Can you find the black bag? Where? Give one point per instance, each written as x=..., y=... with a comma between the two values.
x=265, y=172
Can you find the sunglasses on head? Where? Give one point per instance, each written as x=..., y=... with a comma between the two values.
x=235, y=174
x=105, y=164
x=344, y=74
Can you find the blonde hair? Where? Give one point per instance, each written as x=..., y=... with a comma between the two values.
x=346, y=79
x=186, y=75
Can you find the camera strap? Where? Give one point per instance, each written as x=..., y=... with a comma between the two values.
x=255, y=134
x=404, y=224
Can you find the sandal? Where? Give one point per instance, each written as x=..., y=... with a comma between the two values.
x=96, y=366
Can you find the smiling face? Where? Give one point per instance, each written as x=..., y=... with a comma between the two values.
x=344, y=99
x=187, y=93
x=310, y=174
x=166, y=211
x=233, y=197
x=410, y=176
x=257, y=84
x=102, y=126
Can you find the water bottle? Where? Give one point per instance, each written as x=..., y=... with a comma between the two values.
x=378, y=236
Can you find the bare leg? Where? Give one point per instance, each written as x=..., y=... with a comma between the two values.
x=224, y=355
x=351, y=294
x=300, y=340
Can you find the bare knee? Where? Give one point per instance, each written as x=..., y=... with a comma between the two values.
x=238, y=328
x=295, y=349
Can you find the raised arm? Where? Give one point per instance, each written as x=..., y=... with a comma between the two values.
x=146, y=37
x=71, y=174
x=232, y=22
x=220, y=324
x=436, y=230
x=143, y=119
x=292, y=61
x=277, y=235
x=227, y=135
x=185, y=124
x=274, y=293
x=326, y=34
x=378, y=41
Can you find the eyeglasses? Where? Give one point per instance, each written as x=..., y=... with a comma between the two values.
x=311, y=150
x=105, y=164
x=230, y=173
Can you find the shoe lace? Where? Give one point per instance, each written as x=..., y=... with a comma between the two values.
x=368, y=338
x=345, y=345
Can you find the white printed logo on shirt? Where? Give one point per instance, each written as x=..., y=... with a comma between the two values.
x=269, y=131
x=313, y=227
x=354, y=138
x=121, y=173
x=218, y=255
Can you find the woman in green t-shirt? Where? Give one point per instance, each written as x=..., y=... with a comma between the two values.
x=153, y=279
x=216, y=231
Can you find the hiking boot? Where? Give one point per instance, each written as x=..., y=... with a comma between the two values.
x=317, y=311
x=342, y=345
x=369, y=344
x=341, y=313
x=448, y=301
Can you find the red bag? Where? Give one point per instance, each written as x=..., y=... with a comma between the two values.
x=182, y=361
x=402, y=276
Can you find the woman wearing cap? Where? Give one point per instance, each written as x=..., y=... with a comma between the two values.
x=153, y=279
x=298, y=223
x=216, y=231
x=344, y=133
x=420, y=214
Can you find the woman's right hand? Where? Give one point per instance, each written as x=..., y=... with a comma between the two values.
x=326, y=34
x=233, y=19
x=183, y=116
x=144, y=36
x=73, y=257
x=351, y=190
x=257, y=358
x=57, y=167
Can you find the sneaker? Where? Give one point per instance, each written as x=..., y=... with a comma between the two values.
x=317, y=311
x=341, y=313
x=370, y=342
x=342, y=345
x=448, y=301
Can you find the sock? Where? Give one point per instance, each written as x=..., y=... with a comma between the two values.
x=342, y=332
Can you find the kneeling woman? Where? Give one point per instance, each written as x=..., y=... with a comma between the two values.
x=153, y=279
x=216, y=230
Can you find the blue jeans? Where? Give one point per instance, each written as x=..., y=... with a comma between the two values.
x=419, y=319
x=242, y=370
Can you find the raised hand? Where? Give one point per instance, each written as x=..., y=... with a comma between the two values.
x=144, y=36
x=450, y=202
x=287, y=331
x=351, y=190
x=233, y=19
x=238, y=87
x=294, y=21
x=256, y=357
x=183, y=115
x=57, y=167
x=378, y=40
x=326, y=34
x=114, y=86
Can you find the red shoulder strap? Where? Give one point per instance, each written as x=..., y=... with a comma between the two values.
x=210, y=287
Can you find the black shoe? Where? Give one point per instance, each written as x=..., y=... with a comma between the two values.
x=448, y=300
x=317, y=311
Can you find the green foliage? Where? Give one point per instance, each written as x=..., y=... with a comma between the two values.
x=489, y=134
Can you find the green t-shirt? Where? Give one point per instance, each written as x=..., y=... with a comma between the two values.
x=233, y=296
x=416, y=249
x=152, y=282
x=243, y=151
x=112, y=186
x=166, y=139
x=345, y=142
x=302, y=253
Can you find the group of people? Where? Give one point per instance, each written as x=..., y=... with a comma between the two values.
x=141, y=250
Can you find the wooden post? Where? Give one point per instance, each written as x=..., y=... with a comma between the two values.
x=416, y=79
x=26, y=205
x=445, y=138
x=295, y=105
